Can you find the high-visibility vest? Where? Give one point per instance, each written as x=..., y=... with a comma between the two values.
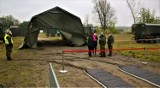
x=6, y=40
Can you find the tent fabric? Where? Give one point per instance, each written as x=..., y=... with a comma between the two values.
x=69, y=25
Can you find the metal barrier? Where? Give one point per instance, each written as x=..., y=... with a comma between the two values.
x=63, y=70
x=123, y=49
x=107, y=50
x=53, y=82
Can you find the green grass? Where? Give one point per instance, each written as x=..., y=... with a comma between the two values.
x=43, y=35
x=19, y=71
x=152, y=55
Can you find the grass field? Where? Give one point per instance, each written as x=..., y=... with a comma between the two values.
x=151, y=55
x=29, y=67
x=19, y=72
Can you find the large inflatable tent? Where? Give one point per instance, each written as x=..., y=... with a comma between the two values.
x=69, y=26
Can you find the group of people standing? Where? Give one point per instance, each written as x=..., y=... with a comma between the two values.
x=93, y=40
x=92, y=44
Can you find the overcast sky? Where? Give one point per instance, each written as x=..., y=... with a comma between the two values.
x=23, y=10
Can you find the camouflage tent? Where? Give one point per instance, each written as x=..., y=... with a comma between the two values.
x=69, y=26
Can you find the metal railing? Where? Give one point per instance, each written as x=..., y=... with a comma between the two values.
x=53, y=82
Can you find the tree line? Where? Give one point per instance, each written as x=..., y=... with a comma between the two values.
x=8, y=21
x=142, y=14
x=105, y=14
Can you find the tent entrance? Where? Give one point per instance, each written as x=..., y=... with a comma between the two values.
x=50, y=37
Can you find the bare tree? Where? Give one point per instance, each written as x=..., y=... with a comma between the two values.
x=106, y=14
x=134, y=6
x=86, y=21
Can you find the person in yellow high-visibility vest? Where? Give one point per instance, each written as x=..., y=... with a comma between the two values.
x=8, y=43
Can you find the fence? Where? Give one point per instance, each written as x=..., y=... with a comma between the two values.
x=112, y=50
x=107, y=50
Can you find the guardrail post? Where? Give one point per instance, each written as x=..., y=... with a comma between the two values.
x=144, y=62
x=63, y=70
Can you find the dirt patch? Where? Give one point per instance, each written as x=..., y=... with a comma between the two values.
x=30, y=68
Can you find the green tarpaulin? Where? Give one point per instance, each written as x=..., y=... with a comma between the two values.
x=69, y=25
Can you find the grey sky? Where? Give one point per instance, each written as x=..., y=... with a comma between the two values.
x=25, y=9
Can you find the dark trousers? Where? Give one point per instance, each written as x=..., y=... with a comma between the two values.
x=95, y=47
x=90, y=48
x=8, y=51
x=110, y=47
x=102, y=53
